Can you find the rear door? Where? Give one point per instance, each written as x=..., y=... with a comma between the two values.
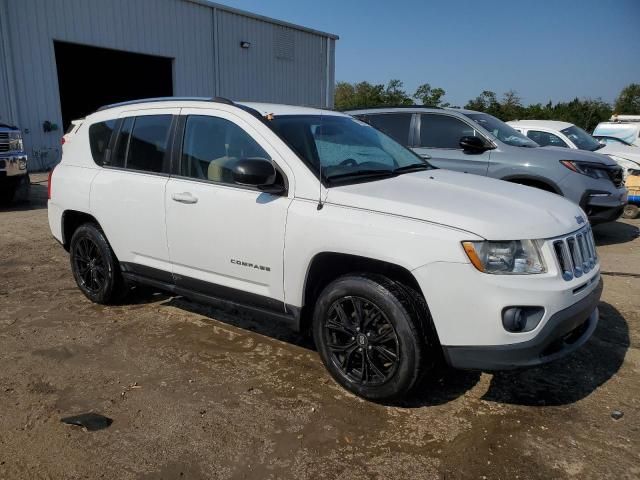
x=127, y=196
x=438, y=138
x=225, y=240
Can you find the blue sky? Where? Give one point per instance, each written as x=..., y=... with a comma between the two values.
x=543, y=49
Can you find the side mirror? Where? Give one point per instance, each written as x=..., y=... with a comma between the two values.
x=473, y=144
x=256, y=172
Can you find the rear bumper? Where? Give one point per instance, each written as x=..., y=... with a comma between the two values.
x=565, y=332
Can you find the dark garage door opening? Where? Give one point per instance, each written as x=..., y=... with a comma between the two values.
x=89, y=77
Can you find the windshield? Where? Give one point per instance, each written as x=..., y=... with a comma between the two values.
x=501, y=130
x=582, y=139
x=344, y=148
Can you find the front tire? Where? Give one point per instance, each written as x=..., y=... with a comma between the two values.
x=95, y=267
x=370, y=334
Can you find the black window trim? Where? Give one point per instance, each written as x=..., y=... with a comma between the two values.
x=418, y=125
x=176, y=157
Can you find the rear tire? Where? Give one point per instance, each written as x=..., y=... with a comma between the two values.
x=369, y=332
x=95, y=267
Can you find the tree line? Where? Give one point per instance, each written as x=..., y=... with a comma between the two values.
x=585, y=113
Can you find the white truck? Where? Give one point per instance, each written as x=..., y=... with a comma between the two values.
x=317, y=219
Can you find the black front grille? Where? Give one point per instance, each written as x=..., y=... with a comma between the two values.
x=4, y=147
x=4, y=136
x=3, y=164
x=615, y=174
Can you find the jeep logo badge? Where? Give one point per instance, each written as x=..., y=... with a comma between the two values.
x=579, y=219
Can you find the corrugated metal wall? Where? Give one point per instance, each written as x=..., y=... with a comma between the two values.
x=281, y=65
x=179, y=29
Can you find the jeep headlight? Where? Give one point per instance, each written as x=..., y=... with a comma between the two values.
x=512, y=257
x=15, y=141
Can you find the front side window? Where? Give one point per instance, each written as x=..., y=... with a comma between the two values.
x=148, y=144
x=212, y=145
x=343, y=149
x=581, y=139
x=500, y=130
x=443, y=131
x=99, y=138
x=396, y=125
x=546, y=139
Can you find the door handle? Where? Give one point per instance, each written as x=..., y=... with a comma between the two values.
x=185, y=197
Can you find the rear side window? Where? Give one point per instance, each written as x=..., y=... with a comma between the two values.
x=148, y=143
x=545, y=139
x=443, y=131
x=396, y=125
x=99, y=138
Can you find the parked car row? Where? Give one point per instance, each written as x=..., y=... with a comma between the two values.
x=478, y=143
x=318, y=219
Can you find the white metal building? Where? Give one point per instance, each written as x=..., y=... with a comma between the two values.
x=61, y=59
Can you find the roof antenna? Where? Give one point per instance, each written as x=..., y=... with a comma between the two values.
x=320, y=204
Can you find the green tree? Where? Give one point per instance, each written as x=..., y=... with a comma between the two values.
x=511, y=106
x=430, y=96
x=365, y=94
x=629, y=100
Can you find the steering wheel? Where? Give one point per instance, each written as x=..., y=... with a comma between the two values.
x=349, y=162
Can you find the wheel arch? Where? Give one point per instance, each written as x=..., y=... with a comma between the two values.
x=535, y=181
x=71, y=220
x=325, y=267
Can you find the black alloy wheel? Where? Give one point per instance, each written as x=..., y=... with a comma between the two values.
x=362, y=341
x=374, y=335
x=95, y=266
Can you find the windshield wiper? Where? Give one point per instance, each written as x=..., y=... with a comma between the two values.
x=362, y=174
x=414, y=167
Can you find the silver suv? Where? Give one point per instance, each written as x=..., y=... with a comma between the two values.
x=476, y=142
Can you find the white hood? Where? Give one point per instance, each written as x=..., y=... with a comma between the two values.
x=492, y=209
x=622, y=151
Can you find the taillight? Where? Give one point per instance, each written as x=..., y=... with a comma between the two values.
x=49, y=183
x=62, y=140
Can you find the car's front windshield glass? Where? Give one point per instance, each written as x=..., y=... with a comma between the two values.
x=581, y=139
x=501, y=130
x=345, y=149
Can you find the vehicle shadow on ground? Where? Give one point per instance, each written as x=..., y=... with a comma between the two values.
x=37, y=200
x=571, y=379
x=615, y=232
x=562, y=382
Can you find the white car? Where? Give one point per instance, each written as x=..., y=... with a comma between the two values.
x=625, y=127
x=563, y=134
x=318, y=219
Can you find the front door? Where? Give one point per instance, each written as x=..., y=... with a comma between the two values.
x=438, y=140
x=225, y=240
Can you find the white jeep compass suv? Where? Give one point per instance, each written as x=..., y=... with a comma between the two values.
x=320, y=220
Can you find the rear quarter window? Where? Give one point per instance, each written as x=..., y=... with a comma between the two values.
x=99, y=138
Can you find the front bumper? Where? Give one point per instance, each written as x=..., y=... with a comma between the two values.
x=603, y=206
x=565, y=332
x=13, y=165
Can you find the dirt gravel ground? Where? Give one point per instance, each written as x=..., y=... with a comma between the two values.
x=196, y=392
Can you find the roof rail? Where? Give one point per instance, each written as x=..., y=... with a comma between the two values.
x=226, y=101
x=383, y=107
